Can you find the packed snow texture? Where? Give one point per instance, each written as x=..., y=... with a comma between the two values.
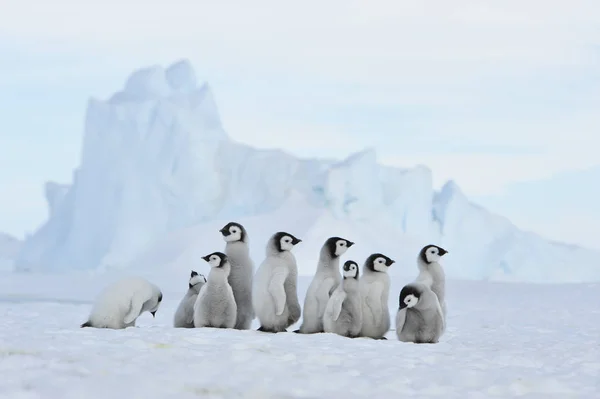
x=9, y=249
x=503, y=340
x=158, y=171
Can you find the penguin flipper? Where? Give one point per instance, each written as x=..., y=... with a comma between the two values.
x=86, y=324
x=337, y=299
x=134, y=310
x=277, y=290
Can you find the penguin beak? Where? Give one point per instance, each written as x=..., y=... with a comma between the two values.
x=296, y=241
x=206, y=258
x=391, y=262
x=402, y=305
x=350, y=243
x=224, y=231
x=442, y=251
x=153, y=313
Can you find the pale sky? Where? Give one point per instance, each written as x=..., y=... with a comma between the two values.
x=502, y=97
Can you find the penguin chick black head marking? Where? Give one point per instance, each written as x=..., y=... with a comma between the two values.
x=350, y=269
x=196, y=278
x=378, y=263
x=432, y=253
x=216, y=259
x=285, y=241
x=159, y=300
x=234, y=231
x=337, y=246
x=409, y=296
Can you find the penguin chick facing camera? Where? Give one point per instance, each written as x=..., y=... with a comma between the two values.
x=431, y=272
x=343, y=314
x=184, y=315
x=419, y=318
x=375, y=291
x=274, y=292
x=215, y=305
x=324, y=282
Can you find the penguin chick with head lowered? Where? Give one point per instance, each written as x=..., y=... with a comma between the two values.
x=374, y=290
x=121, y=303
x=343, y=314
x=419, y=318
x=431, y=272
x=274, y=294
x=184, y=315
x=325, y=281
x=242, y=270
x=215, y=305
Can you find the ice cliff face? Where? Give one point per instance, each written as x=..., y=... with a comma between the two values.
x=9, y=248
x=156, y=160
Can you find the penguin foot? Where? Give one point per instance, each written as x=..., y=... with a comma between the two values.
x=382, y=339
x=263, y=329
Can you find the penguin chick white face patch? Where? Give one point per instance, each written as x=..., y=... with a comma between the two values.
x=214, y=261
x=351, y=271
x=198, y=278
x=341, y=246
x=286, y=243
x=379, y=264
x=235, y=234
x=410, y=300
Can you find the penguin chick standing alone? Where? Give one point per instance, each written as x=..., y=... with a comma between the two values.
x=325, y=281
x=431, y=272
x=184, y=315
x=343, y=314
x=121, y=303
x=215, y=305
x=242, y=270
x=274, y=294
x=374, y=291
x=419, y=318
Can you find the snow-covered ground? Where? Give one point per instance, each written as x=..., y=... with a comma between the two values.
x=503, y=340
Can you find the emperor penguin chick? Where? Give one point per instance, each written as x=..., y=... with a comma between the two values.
x=184, y=315
x=215, y=305
x=419, y=318
x=120, y=304
x=343, y=314
x=325, y=281
x=431, y=272
x=274, y=294
x=242, y=270
x=374, y=291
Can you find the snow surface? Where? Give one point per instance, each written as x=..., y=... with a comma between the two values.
x=503, y=340
x=157, y=170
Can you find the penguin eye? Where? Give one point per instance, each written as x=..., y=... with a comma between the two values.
x=342, y=243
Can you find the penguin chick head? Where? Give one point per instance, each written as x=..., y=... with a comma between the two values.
x=337, y=246
x=432, y=253
x=284, y=241
x=158, y=298
x=378, y=263
x=409, y=296
x=233, y=232
x=196, y=278
x=350, y=269
x=216, y=259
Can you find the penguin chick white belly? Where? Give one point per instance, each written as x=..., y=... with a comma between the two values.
x=346, y=318
x=269, y=297
x=215, y=306
x=184, y=315
x=420, y=317
x=374, y=292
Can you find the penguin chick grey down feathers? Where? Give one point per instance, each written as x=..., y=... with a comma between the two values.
x=431, y=272
x=419, y=318
x=274, y=294
x=215, y=305
x=184, y=315
x=242, y=270
x=343, y=314
x=121, y=303
x=374, y=290
x=325, y=281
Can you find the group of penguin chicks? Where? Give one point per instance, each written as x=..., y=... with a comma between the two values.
x=233, y=295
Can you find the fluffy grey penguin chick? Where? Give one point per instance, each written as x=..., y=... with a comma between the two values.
x=374, y=291
x=323, y=284
x=419, y=318
x=184, y=315
x=431, y=272
x=274, y=295
x=121, y=303
x=242, y=271
x=215, y=305
x=343, y=314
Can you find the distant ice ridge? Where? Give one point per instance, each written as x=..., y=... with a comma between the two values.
x=9, y=249
x=158, y=175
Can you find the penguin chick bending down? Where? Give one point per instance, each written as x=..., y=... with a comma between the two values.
x=215, y=305
x=343, y=314
x=121, y=303
x=374, y=291
x=431, y=272
x=274, y=294
x=325, y=281
x=184, y=315
x=419, y=318
x=242, y=270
